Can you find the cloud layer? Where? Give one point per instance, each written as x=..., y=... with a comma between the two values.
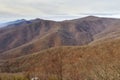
x=55, y=9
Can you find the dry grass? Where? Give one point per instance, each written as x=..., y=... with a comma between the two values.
x=13, y=76
x=97, y=62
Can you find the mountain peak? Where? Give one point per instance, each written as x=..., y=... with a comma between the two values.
x=91, y=18
x=87, y=18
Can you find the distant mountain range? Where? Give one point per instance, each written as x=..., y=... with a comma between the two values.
x=25, y=45
x=11, y=22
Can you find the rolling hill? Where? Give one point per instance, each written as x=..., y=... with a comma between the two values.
x=96, y=62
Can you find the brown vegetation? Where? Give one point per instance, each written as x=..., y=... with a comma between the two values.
x=97, y=62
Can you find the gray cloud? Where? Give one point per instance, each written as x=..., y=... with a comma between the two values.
x=9, y=14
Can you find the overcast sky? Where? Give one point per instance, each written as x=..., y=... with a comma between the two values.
x=57, y=9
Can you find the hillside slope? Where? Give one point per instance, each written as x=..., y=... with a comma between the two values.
x=94, y=62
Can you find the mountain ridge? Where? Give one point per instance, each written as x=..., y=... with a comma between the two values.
x=38, y=34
